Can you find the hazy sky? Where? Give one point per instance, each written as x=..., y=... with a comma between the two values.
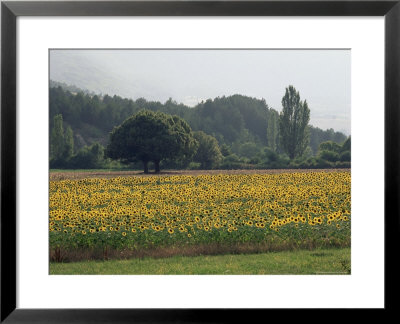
x=321, y=76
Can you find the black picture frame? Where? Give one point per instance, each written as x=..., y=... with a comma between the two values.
x=10, y=10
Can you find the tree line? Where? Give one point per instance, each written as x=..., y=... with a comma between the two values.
x=227, y=132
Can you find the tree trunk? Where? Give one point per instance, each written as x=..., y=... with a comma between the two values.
x=157, y=166
x=146, y=167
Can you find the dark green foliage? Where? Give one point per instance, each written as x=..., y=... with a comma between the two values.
x=232, y=161
x=241, y=125
x=69, y=142
x=330, y=146
x=333, y=152
x=329, y=156
x=345, y=156
x=269, y=159
x=225, y=150
x=342, y=164
x=61, y=143
x=346, y=145
x=317, y=136
x=62, y=150
x=151, y=136
x=230, y=119
x=273, y=130
x=321, y=163
x=208, y=154
x=57, y=143
x=270, y=155
x=293, y=123
x=89, y=157
x=249, y=150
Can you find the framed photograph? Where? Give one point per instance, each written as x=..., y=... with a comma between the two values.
x=163, y=159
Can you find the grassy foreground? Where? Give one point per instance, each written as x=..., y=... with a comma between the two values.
x=327, y=261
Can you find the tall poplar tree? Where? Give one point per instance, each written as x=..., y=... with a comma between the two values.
x=293, y=123
x=272, y=129
x=57, y=146
x=68, y=142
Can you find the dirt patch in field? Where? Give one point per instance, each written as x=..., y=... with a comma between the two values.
x=54, y=176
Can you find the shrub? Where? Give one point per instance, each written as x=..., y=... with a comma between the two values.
x=89, y=157
x=330, y=146
x=231, y=161
x=345, y=156
x=321, y=163
x=329, y=156
x=342, y=165
x=194, y=166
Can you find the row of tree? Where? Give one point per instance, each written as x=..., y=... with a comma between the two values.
x=159, y=138
x=62, y=153
x=234, y=121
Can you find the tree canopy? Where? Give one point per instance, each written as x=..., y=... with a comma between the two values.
x=208, y=152
x=293, y=123
x=331, y=151
x=151, y=136
x=272, y=130
x=61, y=142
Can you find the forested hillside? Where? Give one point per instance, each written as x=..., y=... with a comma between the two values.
x=234, y=120
x=243, y=126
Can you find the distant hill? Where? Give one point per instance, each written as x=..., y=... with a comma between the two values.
x=97, y=75
x=71, y=88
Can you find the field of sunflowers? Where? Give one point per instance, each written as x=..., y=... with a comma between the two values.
x=276, y=211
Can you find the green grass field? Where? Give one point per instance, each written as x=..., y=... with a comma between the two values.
x=325, y=262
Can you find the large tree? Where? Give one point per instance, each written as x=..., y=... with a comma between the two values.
x=293, y=123
x=208, y=152
x=151, y=136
